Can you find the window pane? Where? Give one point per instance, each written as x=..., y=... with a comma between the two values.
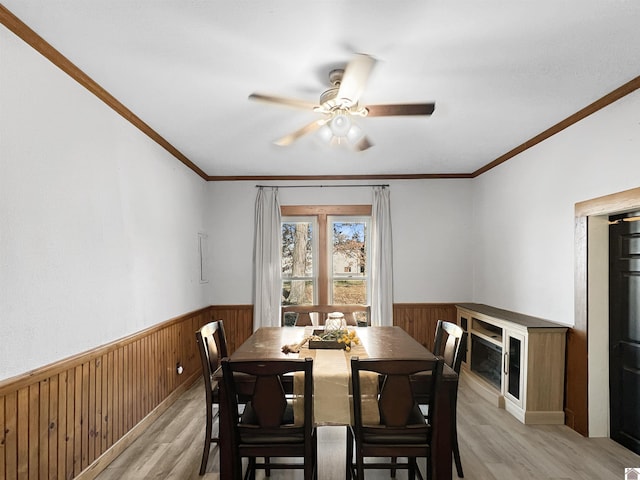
x=349, y=292
x=349, y=252
x=297, y=292
x=297, y=258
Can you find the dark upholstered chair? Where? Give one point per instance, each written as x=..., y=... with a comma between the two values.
x=403, y=430
x=212, y=345
x=451, y=343
x=267, y=427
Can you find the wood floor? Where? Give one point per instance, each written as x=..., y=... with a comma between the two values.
x=493, y=445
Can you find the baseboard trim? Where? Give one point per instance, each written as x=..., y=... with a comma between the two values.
x=544, y=418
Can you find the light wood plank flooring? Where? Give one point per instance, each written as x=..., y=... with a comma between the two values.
x=493, y=445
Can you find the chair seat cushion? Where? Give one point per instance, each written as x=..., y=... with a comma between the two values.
x=416, y=418
x=396, y=440
x=381, y=434
x=247, y=437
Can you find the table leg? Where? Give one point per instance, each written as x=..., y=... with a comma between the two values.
x=441, y=442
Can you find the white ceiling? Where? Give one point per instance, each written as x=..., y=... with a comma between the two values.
x=500, y=72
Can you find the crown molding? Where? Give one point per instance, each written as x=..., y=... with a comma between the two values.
x=30, y=37
x=39, y=44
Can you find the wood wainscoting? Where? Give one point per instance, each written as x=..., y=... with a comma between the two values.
x=419, y=319
x=238, y=323
x=72, y=418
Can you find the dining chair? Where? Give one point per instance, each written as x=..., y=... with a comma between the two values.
x=403, y=430
x=451, y=343
x=267, y=426
x=306, y=315
x=298, y=315
x=212, y=345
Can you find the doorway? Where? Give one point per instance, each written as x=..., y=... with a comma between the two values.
x=587, y=378
x=624, y=329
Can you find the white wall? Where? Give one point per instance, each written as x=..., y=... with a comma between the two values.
x=432, y=242
x=524, y=210
x=505, y=238
x=98, y=224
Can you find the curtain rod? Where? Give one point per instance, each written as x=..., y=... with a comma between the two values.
x=319, y=186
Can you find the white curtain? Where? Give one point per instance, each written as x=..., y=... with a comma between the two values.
x=266, y=260
x=381, y=259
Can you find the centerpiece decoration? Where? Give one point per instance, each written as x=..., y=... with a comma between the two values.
x=339, y=339
x=335, y=335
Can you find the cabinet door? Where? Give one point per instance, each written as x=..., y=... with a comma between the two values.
x=513, y=367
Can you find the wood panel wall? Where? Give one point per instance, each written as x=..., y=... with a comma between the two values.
x=55, y=422
x=419, y=319
x=71, y=419
x=238, y=323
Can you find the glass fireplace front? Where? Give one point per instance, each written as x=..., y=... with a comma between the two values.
x=486, y=360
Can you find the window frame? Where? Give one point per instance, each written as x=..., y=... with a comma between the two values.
x=321, y=213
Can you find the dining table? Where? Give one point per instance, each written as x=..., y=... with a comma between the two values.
x=381, y=342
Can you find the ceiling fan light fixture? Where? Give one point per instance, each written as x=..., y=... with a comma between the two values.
x=340, y=123
x=354, y=134
x=325, y=134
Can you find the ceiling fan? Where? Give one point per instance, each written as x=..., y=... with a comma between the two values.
x=339, y=104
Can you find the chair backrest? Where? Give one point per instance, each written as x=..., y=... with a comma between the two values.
x=212, y=345
x=271, y=411
x=298, y=315
x=450, y=343
x=397, y=400
x=354, y=315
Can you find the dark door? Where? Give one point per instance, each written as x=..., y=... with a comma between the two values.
x=624, y=329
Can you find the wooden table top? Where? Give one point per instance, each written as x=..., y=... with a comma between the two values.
x=379, y=342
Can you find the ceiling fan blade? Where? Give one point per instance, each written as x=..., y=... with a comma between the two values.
x=290, y=102
x=363, y=144
x=292, y=137
x=355, y=78
x=400, y=109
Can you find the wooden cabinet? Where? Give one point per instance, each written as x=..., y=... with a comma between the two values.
x=516, y=361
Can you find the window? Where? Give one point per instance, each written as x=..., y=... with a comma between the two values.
x=299, y=277
x=324, y=254
x=348, y=251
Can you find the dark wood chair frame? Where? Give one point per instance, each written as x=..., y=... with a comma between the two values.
x=265, y=428
x=303, y=313
x=212, y=345
x=453, y=350
x=403, y=430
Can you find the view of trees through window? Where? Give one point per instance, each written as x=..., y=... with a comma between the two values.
x=342, y=256
x=297, y=263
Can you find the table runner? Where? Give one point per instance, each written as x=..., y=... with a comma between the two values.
x=333, y=403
